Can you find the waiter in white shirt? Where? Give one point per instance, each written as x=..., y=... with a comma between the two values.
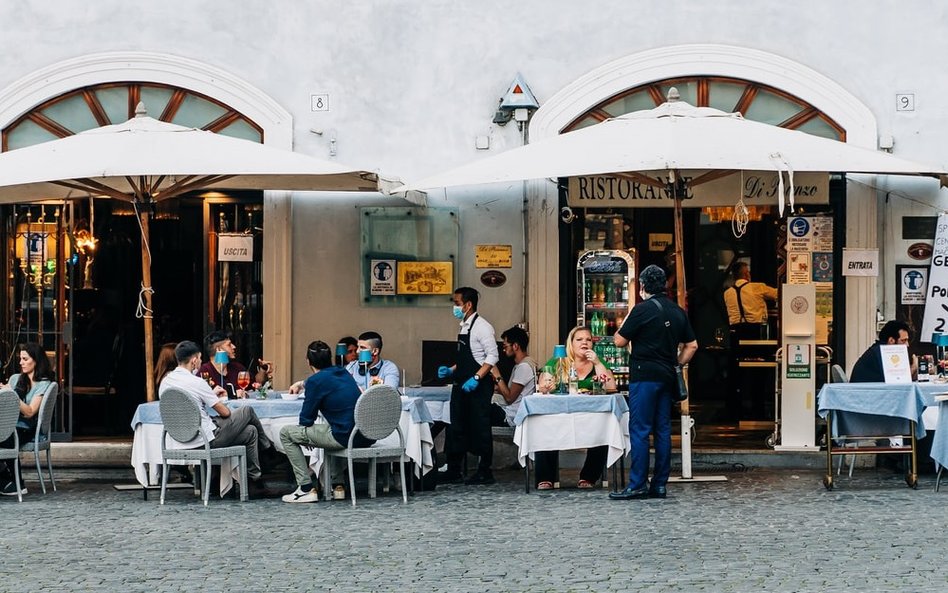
x=746, y=304
x=469, y=430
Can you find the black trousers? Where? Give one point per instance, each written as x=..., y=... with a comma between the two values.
x=6, y=469
x=547, y=462
x=469, y=431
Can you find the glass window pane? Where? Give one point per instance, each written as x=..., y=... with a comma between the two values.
x=73, y=113
x=687, y=89
x=241, y=129
x=725, y=95
x=771, y=109
x=27, y=134
x=196, y=112
x=114, y=101
x=155, y=100
x=634, y=102
x=584, y=123
x=818, y=127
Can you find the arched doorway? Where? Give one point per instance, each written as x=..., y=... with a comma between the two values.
x=81, y=306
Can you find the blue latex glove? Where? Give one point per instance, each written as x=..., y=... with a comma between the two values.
x=470, y=385
x=444, y=372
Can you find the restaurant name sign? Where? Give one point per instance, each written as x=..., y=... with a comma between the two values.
x=760, y=188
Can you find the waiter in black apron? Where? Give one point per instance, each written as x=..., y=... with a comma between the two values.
x=469, y=430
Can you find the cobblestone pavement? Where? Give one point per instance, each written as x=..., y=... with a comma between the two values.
x=763, y=530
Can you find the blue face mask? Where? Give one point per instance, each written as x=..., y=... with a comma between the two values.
x=458, y=311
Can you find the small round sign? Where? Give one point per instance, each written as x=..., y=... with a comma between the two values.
x=920, y=251
x=493, y=278
x=799, y=305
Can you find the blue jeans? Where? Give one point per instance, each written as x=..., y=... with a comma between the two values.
x=650, y=406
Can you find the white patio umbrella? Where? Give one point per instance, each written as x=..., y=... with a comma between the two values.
x=144, y=161
x=672, y=147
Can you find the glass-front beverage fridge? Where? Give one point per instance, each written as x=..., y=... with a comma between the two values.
x=606, y=286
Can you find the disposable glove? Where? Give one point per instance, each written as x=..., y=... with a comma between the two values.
x=470, y=385
x=444, y=372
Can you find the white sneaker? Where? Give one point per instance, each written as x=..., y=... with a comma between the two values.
x=10, y=489
x=301, y=495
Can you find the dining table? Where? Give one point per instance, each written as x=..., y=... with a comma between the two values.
x=274, y=413
x=563, y=422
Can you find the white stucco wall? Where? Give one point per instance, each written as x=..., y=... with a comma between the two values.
x=413, y=82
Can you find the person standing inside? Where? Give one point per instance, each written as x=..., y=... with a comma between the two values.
x=469, y=430
x=661, y=339
x=330, y=390
x=746, y=303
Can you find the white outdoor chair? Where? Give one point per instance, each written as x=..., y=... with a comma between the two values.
x=377, y=415
x=9, y=414
x=40, y=441
x=181, y=418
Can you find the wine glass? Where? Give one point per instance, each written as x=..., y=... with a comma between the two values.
x=207, y=378
x=243, y=379
x=719, y=336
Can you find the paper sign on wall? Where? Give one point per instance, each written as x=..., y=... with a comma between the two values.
x=232, y=247
x=860, y=262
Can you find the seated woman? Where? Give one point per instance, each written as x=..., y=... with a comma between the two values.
x=30, y=384
x=581, y=357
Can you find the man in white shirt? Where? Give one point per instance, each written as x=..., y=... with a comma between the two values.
x=237, y=427
x=746, y=301
x=469, y=430
x=378, y=370
x=523, y=378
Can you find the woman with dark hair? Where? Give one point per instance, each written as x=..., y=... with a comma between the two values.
x=166, y=363
x=31, y=383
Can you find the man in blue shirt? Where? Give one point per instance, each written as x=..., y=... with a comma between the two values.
x=377, y=371
x=330, y=390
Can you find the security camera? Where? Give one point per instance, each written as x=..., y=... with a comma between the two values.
x=567, y=215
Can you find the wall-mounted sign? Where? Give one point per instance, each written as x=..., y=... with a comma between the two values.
x=760, y=189
x=425, y=277
x=920, y=251
x=659, y=241
x=493, y=278
x=234, y=247
x=382, y=280
x=860, y=262
x=493, y=256
x=913, y=284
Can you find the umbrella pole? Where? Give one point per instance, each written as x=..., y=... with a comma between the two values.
x=146, y=317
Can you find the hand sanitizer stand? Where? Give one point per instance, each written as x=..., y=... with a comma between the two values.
x=798, y=371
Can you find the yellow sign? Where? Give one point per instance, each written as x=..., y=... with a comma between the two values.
x=425, y=277
x=493, y=256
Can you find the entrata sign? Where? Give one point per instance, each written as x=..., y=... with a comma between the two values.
x=234, y=247
x=760, y=189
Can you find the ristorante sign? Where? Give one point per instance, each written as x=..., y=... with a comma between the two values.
x=760, y=188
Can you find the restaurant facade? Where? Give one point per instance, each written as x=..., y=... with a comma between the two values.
x=413, y=88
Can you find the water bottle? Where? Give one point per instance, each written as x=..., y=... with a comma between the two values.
x=573, y=381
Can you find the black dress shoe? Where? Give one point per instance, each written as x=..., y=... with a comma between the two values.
x=630, y=493
x=657, y=492
x=450, y=477
x=481, y=478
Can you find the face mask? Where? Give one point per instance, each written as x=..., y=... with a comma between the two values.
x=458, y=311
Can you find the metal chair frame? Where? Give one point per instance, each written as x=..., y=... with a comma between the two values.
x=40, y=440
x=377, y=414
x=181, y=417
x=9, y=414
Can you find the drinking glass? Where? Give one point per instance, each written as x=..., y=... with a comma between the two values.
x=243, y=380
x=545, y=382
x=719, y=336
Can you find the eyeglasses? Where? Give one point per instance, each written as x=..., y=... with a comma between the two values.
x=374, y=371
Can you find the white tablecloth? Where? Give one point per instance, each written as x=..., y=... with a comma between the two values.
x=574, y=430
x=437, y=400
x=146, y=445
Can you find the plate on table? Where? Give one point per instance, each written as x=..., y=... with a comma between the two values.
x=289, y=396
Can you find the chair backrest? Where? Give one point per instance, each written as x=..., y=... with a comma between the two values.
x=838, y=374
x=47, y=408
x=9, y=413
x=180, y=414
x=378, y=411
